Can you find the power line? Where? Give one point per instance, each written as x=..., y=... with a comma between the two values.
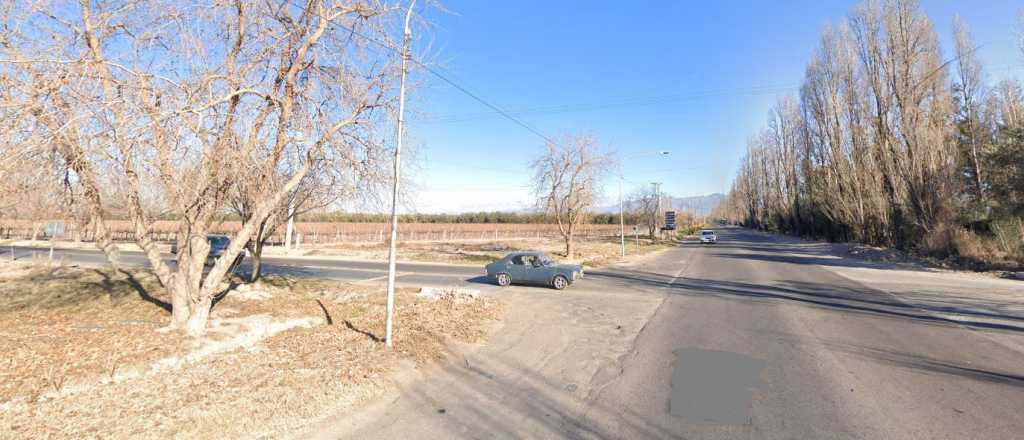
x=472, y=167
x=484, y=102
x=641, y=101
x=653, y=100
x=453, y=84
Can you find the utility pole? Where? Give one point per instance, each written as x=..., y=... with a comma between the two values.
x=622, y=223
x=657, y=194
x=397, y=178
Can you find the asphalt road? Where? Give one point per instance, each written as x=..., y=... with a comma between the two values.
x=755, y=337
x=347, y=270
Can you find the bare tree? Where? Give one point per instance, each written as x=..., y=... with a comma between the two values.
x=328, y=183
x=566, y=181
x=645, y=208
x=969, y=86
x=161, y=107
x=28, y=192
x=868, y=153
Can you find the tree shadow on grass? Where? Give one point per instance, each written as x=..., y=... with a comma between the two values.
x=233, y=282
x=350, y=326
x=115, y=288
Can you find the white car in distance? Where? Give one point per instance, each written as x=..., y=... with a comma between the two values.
x=708, y=236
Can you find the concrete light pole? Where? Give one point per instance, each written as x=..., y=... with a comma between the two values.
x=657, y=195
x=397, y=178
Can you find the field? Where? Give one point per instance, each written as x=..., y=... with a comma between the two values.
x=465, y=243
x=591, y=252
x=317, y=232
x=85, y=347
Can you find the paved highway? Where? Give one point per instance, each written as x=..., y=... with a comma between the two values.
x=346, y=270
x=757, y=337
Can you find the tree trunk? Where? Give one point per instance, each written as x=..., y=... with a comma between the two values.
x=179, y=305
x=185, y=287
x=978, y=182
x=568, y=247
x=256, y=254
x=199, y=314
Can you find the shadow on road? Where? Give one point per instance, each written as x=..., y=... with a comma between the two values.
x=551, y=408
x=534, y=403
x=909, y=361
x=482, y=279
x=923, y=306
x=862, y=300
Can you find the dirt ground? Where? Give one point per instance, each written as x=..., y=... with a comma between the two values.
x=87, y=354
x=592, y=252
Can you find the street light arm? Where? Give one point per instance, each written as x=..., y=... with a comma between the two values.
x=649, y=153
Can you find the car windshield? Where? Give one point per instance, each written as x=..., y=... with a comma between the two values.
x=707, y=233
x=544, y=260
x=218, y=241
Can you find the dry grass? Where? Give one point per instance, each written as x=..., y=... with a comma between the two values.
x=55, y=318
x=590, y=252
x=329, y=232
x=957, y=247
x=69, y=327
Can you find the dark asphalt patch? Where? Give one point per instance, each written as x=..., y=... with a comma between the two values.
x=714, y=387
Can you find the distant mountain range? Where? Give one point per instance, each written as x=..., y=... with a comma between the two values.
x=699, y=205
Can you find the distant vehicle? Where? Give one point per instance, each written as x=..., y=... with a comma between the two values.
x=533, y=268
x=723, y=221
x=218, y=245
x=708, y=236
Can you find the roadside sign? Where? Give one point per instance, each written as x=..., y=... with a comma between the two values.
x=54, y=229
x=670, y=219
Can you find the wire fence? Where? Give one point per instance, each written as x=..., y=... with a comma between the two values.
x=314, y=233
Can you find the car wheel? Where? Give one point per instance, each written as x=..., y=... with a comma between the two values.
x=503, y=279
x=560, y=282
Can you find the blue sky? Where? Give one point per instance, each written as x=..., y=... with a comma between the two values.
x=695, y=78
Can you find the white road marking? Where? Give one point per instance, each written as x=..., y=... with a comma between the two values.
x=384, y=277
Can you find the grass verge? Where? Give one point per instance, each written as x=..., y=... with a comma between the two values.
x=86, y=357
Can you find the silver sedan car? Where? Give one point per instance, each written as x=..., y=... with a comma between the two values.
x=708, y=236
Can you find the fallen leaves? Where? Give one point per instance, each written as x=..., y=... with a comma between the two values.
x=80, y=353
